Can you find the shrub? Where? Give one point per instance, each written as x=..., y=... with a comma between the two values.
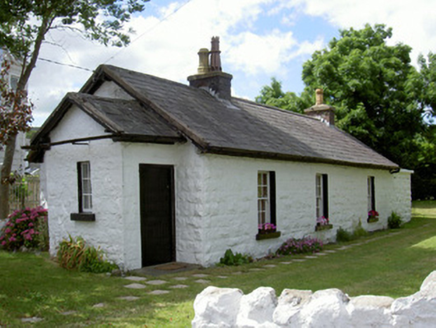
x=394, y=221
x=75, y=254
x=235, y=259
x=343, y=235
x=359, y=231
x=300, y=246
x=26, y=227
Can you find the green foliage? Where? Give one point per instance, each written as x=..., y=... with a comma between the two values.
x=294, y=246
x=359, y=231
x=75, y=254
x=343, y=235
x=274, y=96
x=394, y=221
x=235, y=259
x=26, y=227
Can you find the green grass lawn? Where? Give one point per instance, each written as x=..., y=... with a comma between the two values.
x=392, y=263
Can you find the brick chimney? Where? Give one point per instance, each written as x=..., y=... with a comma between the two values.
x=209, y=74
x=321, y=111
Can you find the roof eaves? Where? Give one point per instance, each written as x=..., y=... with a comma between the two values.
x=295, y=158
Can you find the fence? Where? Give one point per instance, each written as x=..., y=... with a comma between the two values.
x=24, y=193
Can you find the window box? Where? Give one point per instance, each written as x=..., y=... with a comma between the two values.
x=372, y=219
x=269, y=235
x=82, y=216
x=323, y=227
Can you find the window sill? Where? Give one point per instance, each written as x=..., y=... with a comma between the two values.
x=323, y=227
x=271, y=235
x=372, y=220
x=82, y=217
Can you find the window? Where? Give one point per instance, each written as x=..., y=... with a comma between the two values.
x=14, y=82
x=322, y=203
x=85, y=190
x=371, y=194
x=266, y=203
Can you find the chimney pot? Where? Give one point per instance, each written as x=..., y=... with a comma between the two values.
x=203, y=66
x=215, y=57
x=319, y=97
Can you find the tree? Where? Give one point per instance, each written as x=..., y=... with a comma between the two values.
x=23, y=27
x=373, y=87
x=274, y=96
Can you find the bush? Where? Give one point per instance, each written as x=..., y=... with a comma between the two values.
x=75, y=254
x=26, y=227
x=359, y=231
x=235, y=259
x=343, y=235
x=394, y=221
x=300, y=246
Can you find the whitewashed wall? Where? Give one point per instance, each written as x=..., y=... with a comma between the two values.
x=230, y=202
x=106, y=173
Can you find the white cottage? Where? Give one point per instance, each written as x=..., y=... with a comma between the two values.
x=154, y=171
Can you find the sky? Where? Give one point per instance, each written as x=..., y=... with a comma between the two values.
x=259, y=39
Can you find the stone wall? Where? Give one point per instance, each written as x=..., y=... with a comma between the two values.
x=226, y=307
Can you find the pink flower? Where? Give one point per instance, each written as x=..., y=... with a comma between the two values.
x=30, y=224
x=3, y=242
x=8, y=230
x=12, y=239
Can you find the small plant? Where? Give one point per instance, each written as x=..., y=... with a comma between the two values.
x=372, y=216
x=343, y=235
x=235, y=259
x=300, y=246
x=75, y=254
x=359, y=231
x=267, y=227
x=26, y=227
x=394, y=221
x=322, y=221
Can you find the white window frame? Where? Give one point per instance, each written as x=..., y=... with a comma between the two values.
x=263, y=198
x=85, y=188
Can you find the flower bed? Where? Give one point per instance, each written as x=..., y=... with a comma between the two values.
x=300, y=246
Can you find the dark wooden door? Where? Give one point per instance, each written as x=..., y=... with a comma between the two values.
x=157, y=214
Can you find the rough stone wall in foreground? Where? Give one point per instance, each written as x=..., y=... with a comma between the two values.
x=229, y=307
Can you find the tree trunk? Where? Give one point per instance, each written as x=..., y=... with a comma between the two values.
x=5, y=175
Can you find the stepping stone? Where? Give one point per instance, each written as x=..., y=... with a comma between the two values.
x=321, y=254
x=69, y=312
x=135, y=286
x=270, y=266
x=31, y=320
x=299, y=260
x=200, y=275
x=311, y=257
x=237, y=272
x=256, y=270
x=159, y=292
x=222, y=277
x=156, y=282
x=98, y=305
x=286, y=262
x=179, y=286
x=202, y=281
x=134, y=278
x=180, y=278
x=128, y=298
x=330, y=251
x=344, y=248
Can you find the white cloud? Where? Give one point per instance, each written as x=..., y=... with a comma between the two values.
x=413, y=22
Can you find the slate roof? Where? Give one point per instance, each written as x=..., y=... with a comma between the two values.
x=173, y=111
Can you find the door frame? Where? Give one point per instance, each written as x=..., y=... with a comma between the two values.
x=172, y=203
